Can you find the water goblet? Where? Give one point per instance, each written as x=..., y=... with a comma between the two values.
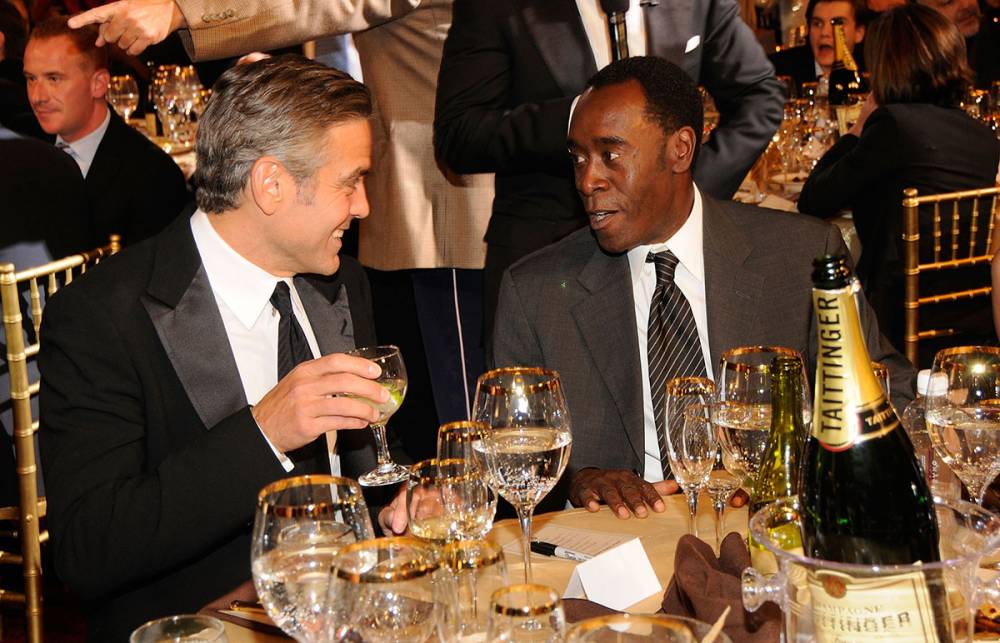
x=529, y=613
x=690, y=439
x=527, y=443
x=300, y=525
x=393, y=379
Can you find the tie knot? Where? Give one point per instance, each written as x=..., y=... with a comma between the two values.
x=666, y=264
x=281, y=299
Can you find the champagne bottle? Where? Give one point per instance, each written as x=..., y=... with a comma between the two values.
x=778, y=475
x=846, y=90
x=864, y=498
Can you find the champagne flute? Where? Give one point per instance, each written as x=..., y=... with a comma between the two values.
x=123, y=94
x=690, y=441
x=963, y=414
x=300, y=525
x=742, y=409
x=393, y=379
x=527, y=444
x=528, y=613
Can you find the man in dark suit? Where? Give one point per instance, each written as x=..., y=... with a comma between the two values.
x=735, y=275
x=171, y=393
x=808, y=62
x=512, y=69
x=134, y=189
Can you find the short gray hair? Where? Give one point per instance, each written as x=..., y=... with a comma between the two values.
x=280, y=107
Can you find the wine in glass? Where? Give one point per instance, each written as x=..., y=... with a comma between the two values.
x=963, y=414
x=300, y=525
x=393, y=379
x=527, y=444
x=690, y=440
x=123, y=94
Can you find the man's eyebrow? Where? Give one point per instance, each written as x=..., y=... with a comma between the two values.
x=612, y=140
x=353, y=177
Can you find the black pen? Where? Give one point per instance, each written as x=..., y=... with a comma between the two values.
x=550, y=549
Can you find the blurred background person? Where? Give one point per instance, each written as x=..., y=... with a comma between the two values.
x=15, y=111
x=981, y=32
x=807, y=63
x=911, y=133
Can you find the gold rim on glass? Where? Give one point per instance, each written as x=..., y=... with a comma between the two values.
x=311, y=509
x=425, y=561
x=471, y=554
x=690, y=386
x=739, y=367
x=551, y=381
x=527, y=610
x=419, y=472
x=462, y=431
x=611, y=620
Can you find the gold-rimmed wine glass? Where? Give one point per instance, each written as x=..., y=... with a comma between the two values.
x=617, y=628
x=528, y=612
x=123, y=95
x=446, y=500
x=393, y=379
x=690, y=440
x=457, y=440
x=527, y=444
x=479, y=570
x=300, y=525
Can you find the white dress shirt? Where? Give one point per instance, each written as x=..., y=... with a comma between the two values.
x=595, y=23
x=686, y=244
x=243, y=293
x=85, y=149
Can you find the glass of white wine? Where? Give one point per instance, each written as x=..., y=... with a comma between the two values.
x=742, y=409
x=457, y=440
x=300, y=525
x=123, y=94
x=690, y=440
x=527, y=443
x=446, y=500
x=963, y=414
x=393, y=379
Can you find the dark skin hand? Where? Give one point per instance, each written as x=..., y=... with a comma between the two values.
x=625, y=493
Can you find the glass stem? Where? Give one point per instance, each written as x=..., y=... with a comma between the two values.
x=692, y=498
x=381, y=445
x=720, y=508
x=524, y=517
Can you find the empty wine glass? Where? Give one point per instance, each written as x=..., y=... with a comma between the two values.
x=527, y=443
x=690, y=440
x=528, y=613
x=393, y=379
x=963, y=414
x=123, y=95
x=300, y=525
x=721, y=487
x=479, y=570
x=742, y=410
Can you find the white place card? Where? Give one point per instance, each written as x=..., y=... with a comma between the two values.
x=618, y=578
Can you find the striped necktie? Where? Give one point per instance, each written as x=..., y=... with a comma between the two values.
x=672, y=345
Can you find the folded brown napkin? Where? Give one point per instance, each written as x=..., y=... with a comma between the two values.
x=704, y=585
x=580, y=609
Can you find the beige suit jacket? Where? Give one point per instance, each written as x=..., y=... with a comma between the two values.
x=421, y=216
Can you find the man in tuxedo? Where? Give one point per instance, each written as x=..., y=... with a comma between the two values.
x=512, y=70
x=664, y=281
x=808, y=62
x=178, y=376
x=981, y=32
x=133, y=188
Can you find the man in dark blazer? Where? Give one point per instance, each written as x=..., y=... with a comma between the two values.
x=512, y=69
x=164, y=407
x=806, y=63
x=581, y=306
x=133, y=188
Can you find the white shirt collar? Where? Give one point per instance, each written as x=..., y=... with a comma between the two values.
x=819, y=69
x=85, y=148
x=686, y=244
x=244, y=286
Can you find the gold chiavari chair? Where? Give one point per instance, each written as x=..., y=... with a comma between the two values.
x=39, y=283
x=964, y=234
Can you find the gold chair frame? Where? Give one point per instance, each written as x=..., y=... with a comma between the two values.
x=951, y=257
x=31, y=509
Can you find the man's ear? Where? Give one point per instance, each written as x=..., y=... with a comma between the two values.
x=99, y=83
x=680, y=149
x=859, y=33
x=269, y=184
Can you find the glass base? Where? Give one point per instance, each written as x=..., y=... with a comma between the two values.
x=385, y=474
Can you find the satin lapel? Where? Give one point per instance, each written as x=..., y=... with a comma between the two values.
x=668, y=28
x=558, y=33
x=606, y=320
x=329, y=314
x=731, y=288
x=183, y=310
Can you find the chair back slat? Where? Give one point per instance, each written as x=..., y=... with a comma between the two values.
x=974, y=229
x=937, y=232
x=31, y=508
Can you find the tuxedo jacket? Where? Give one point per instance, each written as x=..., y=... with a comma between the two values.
x=512, y=68
x=152, y=458
x=799, y=63
x=931, y=148
x=133, y=187
x=570, y=307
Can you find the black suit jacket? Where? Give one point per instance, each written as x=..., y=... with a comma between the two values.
x=934, y=149
x=153, y=460
x=799, y=63
x=511, y=69
x=570, y=307
x=134, y=188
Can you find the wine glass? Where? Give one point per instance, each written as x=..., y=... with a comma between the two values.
x=690, y=440
x=456, y=440
x=300, y=525
x=479, y=570
x=446, y=500
x=721, y=487
x=393, y=379
x=614, y=628
x=184, y=628
x=529, y=613
x=123, y=94
x=963, y=414
x=742, y=410
x=527, y=444
x=390, y=590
